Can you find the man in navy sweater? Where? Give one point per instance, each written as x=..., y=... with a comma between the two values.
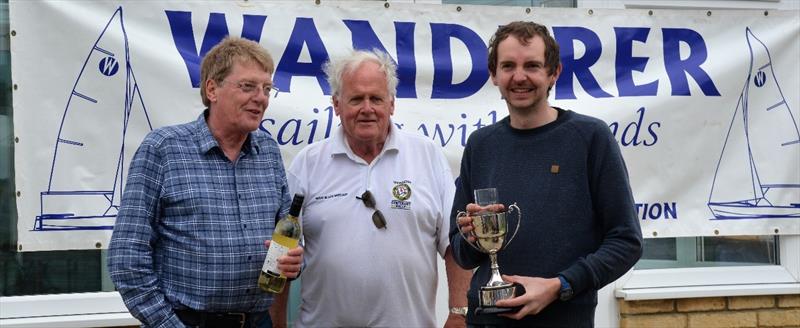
x=564, y=170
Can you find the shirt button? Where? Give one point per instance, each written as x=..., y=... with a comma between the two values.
x=249, y=257
x=245, y=226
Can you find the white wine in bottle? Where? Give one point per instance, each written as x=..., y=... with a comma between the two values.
x=286, y=236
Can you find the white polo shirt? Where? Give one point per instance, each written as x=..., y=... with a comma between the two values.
x=357, y=274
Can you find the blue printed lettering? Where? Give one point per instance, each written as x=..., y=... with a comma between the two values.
x=578, y=67
x=306, y=36
x=443, y=87
x=290, y=130
x=180, y=24
x=632, y=134
x=364, y=37
x=626, y=63
x=655, y=211
x=676, y=68
x=438, y=133
x=304, y=33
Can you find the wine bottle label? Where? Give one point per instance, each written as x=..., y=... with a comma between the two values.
x=275, y=251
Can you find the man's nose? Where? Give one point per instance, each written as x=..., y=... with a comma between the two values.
x=518, y=75
x=369, y=106
x=261, y=97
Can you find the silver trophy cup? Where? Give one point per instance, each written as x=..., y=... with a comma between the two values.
x=490, y=230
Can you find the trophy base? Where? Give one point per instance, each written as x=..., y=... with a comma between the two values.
x=489, y=295
x=496, y=310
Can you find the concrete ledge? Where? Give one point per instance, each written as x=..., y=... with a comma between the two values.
x=104, y=309
x=708, y=282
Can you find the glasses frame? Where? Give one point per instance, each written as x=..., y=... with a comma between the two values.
x=378, y=219
x=249, y=87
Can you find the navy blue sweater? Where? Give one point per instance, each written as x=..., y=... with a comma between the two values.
x=578, y=219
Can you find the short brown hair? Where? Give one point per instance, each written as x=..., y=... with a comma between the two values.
x=524, y=32
x=219, y=61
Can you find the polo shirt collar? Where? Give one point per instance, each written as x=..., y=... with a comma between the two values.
x=340, y=146
x=207, y=142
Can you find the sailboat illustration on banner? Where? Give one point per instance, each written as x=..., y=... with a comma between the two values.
x=757, y=175
x=104, y=113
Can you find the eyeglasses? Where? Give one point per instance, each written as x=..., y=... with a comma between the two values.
x=377, y=216
x=250, y=87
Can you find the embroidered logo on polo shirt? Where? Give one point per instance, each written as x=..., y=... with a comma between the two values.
x=401, y=193
x=329, y=196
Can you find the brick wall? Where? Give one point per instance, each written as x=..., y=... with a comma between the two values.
x=739, y=311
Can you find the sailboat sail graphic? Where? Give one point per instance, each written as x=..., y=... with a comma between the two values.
x=757, y=174
x=104, y=113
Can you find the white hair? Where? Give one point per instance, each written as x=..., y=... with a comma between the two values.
x=335, y=69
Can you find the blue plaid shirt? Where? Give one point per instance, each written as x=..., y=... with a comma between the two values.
x=191, y=227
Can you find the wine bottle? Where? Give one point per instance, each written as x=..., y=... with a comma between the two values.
x=286, y=236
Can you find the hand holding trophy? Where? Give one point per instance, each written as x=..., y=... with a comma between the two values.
x=486, y=233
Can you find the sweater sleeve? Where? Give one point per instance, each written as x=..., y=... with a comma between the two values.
x=614, y=208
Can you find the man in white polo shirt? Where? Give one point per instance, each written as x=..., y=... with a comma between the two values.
x=376, y=212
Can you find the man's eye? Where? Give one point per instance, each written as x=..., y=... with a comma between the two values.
x=248, y=87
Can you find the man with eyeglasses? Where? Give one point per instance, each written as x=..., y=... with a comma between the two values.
x=376, y=211
x=201, y=200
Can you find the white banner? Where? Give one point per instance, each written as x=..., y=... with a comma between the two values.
x=704, y=104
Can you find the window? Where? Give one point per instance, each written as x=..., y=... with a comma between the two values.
x=690, y=252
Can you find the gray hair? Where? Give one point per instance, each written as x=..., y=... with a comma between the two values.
x=336, y=69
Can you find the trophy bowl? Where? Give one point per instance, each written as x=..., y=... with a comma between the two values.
x=490, y=230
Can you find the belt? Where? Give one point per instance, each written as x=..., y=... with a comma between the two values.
x=219, y=319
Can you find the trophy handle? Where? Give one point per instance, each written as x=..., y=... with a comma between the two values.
x=519, y=219
x=462, y=214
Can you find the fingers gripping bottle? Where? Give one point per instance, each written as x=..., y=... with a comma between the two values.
x=286, y=236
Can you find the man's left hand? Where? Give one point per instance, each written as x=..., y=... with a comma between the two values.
x=455, y=321
x=290, y=263
x=539, y=293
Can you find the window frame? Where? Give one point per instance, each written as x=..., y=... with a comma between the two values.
x=781, y=279
x=101, y=309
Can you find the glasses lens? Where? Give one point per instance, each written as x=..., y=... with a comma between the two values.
x=378, y=220
x=368, y=200
x=377, y=216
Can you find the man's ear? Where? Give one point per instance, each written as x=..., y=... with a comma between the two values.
x=335, y=102
x=211, y=90
x=556, y=74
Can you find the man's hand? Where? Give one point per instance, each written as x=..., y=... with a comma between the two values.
x=290, y=263
x=465, y=222
x=455, y=321
x=539, y=293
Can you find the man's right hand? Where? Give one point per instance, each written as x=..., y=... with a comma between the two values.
x=465, y=222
